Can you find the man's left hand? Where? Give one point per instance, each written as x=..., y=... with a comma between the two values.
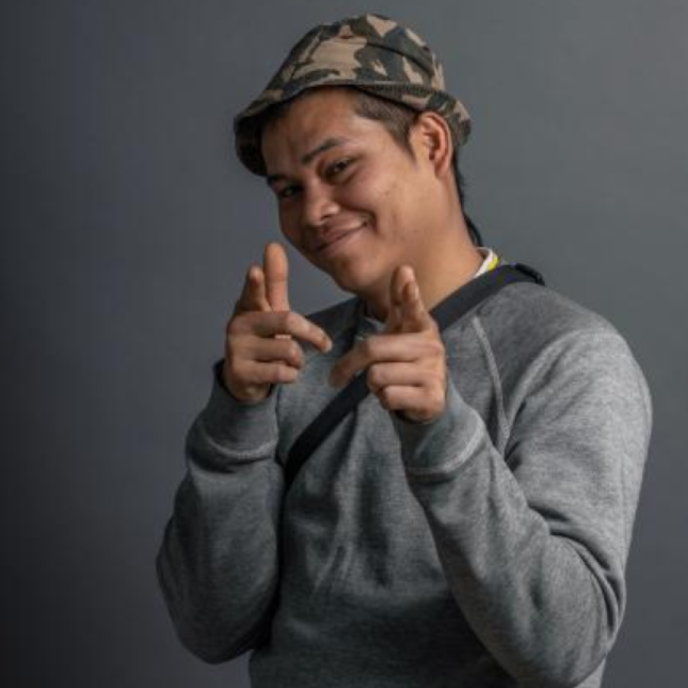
x=406, y=363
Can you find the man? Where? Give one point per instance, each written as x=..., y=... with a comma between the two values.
x=469, y=522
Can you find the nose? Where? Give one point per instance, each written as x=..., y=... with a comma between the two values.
x=318, y=205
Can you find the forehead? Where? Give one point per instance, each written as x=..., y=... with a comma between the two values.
x=315, y=116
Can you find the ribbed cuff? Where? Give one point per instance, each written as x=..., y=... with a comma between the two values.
x=236, y=424
x=436, y=449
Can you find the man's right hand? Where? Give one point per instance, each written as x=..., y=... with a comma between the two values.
x=259, y=349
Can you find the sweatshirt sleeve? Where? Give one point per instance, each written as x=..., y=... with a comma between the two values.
x=218, y=564
x=534, y=543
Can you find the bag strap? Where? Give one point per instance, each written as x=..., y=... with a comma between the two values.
x=447, y=312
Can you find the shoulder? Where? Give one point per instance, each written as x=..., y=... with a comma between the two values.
x=530, y=317
x=539, y=337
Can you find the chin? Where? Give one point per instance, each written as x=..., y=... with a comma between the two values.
x=361, y=283
x=357, y=271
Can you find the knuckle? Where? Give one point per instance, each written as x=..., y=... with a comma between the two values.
x=277, y=373
x=436, y=344
x=436, y=348
x=232, y=325
x=386, y=398
x=285, y=373
x=375, y=376
x=437, y=397
x=233, y=344
x=369, y=346
x=240, y=323
x=294, y=352
x=230, y=347
x=290, y=320
x=233, y=367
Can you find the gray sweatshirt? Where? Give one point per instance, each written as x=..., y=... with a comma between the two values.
x=486, y=548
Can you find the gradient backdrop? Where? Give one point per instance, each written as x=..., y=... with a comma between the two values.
x=128, y=226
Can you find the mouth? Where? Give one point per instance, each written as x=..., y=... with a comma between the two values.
x=337, y=240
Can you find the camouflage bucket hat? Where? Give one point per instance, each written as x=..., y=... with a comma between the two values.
x=369, y=52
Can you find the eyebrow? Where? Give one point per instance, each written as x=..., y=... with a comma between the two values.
x=308, y=157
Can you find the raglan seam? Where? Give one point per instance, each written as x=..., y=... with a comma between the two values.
x=503, y=423
x=549, y=354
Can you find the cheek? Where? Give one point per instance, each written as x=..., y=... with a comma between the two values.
x=289, y=227
x=391, y=201
x=402, y=212
x=371, y=191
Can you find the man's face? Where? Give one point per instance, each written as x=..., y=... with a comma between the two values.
x=351, y=200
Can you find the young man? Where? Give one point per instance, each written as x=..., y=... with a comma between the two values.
x=469, y=522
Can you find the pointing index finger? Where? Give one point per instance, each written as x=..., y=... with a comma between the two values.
x=252, y=296
x=414, y=315
x=276, y=268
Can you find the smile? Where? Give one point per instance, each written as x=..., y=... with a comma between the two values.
x=339, y=243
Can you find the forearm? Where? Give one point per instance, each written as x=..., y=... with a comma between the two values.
x=527, y=593
x=534, y=544
x=218, y=564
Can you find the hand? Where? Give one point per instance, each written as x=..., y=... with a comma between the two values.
x=259, y=350
x=406, y=363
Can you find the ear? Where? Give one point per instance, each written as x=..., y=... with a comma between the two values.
x=433, y=142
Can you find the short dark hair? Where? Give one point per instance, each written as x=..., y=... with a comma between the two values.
x=398, y=119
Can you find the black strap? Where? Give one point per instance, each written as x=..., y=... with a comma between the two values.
x=447, y=312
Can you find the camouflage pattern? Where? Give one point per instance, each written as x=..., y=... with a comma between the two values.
x=370, y=52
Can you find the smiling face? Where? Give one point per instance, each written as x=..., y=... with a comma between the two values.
x=351, y=200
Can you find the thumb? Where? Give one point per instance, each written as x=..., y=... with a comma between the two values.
x=253, y=296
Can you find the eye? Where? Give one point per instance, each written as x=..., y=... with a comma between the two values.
x=287, y=191
x=338, y=167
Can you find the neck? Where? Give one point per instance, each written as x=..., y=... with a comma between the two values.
x=452, y=263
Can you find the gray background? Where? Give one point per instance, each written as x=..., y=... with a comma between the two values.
x=128, y=225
